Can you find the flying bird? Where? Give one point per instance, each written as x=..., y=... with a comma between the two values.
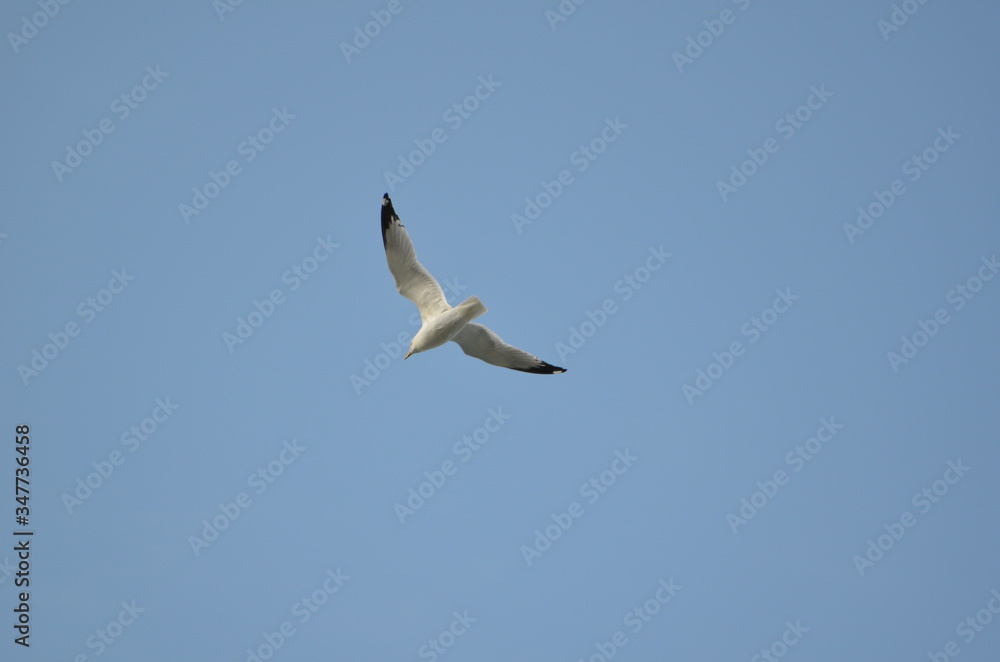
x=439, y=321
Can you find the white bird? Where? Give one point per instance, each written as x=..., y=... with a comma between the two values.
x=441, y=322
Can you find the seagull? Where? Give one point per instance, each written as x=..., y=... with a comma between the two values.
x=439, y=321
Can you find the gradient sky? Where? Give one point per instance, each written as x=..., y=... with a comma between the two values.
x=761, y=238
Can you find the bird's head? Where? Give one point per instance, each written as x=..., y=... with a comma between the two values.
x=417, y=345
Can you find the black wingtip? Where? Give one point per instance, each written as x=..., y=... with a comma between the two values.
x=388, y=216
x=545, y=369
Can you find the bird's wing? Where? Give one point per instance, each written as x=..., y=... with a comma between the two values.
x=412, y=280
x=480, y=342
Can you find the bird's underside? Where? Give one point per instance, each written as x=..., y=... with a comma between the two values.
x=441, y=322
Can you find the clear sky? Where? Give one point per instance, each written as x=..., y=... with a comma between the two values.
x=763, y=240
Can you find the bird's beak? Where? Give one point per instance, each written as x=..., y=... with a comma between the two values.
x=407, y=355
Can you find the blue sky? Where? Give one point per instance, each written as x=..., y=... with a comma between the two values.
x=762, y=240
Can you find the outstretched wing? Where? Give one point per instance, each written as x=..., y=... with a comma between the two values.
x=412, y=280
x=480, y=342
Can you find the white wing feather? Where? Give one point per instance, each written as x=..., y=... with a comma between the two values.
x=482, y=343
x=412, y=280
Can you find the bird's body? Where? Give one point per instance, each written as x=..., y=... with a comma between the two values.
x=443, y=327
x=441, y=322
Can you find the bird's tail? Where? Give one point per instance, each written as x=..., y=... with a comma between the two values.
x=471, y=308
